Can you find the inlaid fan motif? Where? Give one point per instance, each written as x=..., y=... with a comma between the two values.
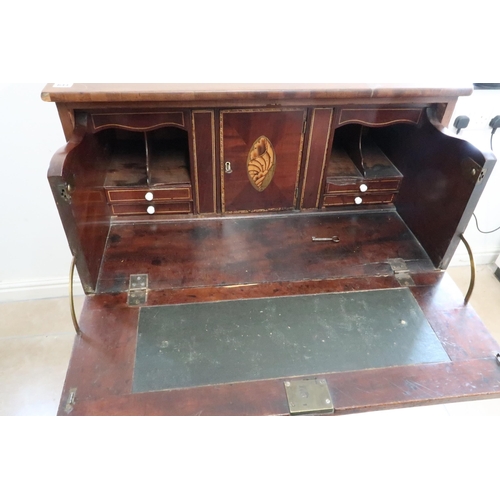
x=261, y=163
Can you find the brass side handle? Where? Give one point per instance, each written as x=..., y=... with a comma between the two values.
x=71, y=297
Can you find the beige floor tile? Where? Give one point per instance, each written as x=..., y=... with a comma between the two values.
x=486, y=297
x=32, y=373
x=37, y=317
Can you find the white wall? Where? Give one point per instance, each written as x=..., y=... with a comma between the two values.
x=34, y=254
x=481, y=107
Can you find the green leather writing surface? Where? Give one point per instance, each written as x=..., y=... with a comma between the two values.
x=200, y=344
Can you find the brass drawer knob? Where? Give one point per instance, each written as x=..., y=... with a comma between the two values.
x=151, y=210
x=149, y=196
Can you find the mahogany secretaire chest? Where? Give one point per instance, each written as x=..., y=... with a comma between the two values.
x=258, y=249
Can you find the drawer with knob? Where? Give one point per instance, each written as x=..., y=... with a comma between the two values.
x=152, y=209
x=148, y=195
x=357, y=199
x=364, y=186
x=143, y=201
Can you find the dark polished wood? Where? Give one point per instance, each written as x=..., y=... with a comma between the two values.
x=317, y=156
x=353, y=392
x=77, y=189
x=204, y=160
x=443, y=179
x=159, y=92
x=283, y=131
x=232, y=251
x=216, y=191
x=103, y=362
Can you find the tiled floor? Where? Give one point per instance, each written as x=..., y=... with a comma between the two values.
x=36, y=338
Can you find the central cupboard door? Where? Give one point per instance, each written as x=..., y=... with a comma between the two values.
x=261, y=152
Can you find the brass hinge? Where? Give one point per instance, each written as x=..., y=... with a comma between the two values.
x=307, y=396
x=65, y=191
x=401, y=272
x=138, y=290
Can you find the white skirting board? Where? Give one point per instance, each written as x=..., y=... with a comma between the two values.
x=461, y=258
x=34, y=290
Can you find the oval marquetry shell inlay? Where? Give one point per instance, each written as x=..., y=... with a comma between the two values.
x=261, y=163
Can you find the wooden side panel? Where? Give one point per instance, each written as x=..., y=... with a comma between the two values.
x=67, y=117
x=444, y=177
x=76, y=182
x=204, y=162
x=317, y=155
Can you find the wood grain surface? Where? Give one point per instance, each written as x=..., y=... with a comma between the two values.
x=102, y=366
x=129, y=92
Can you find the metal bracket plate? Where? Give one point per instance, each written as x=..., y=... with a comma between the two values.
x=70, y=403
x=138, y=290
x=308, y=396
x=401, y=272
x=65, y=191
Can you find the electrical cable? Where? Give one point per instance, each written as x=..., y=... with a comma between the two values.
x=484, y=232
x=494, y=124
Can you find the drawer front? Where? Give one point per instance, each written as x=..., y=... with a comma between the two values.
x=149, y=195
x=357, y=199
x=379, y=116
x=137, y=121
x=159, y=209
x=356, y=187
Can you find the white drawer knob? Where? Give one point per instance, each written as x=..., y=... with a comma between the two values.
x=358, y=200
x=149, y=196
x=151, y=210
x=363, y=188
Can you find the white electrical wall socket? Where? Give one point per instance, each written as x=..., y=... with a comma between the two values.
x=480, y=107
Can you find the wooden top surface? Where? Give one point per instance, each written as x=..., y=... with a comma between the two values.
x=164, y=92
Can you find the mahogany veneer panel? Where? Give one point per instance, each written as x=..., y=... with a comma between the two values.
x=102, y=364
x=147, y=92
x=232, y=251
x=190, y=131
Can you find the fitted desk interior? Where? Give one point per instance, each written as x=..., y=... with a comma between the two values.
x=239, y=242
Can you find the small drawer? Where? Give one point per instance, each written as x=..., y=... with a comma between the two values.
x=357, y=200
x=147, y=209
x=149, y=195
x=385, y=185
x=364, y=186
